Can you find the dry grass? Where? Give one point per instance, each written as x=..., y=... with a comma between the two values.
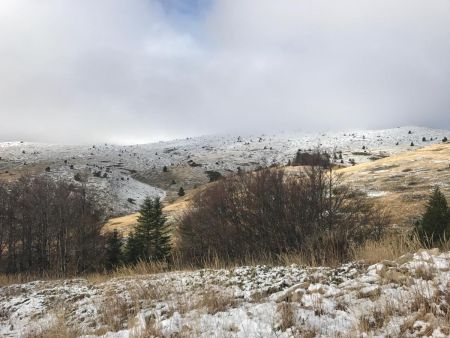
x=406, y=179
x=287, y=316
x=151, y=330
x=215, y=301
x=388, y=248
x=116, y=312
x=57, y=329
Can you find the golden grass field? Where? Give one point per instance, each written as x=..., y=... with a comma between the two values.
x=403, y=182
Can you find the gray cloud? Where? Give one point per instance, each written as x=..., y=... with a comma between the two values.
x=136, y=71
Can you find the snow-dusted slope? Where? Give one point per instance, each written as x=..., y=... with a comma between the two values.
x=221, y=153
x=408, y=298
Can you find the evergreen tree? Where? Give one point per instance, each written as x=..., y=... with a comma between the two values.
x=133, y=249
x=144, y=230
x=435, y=223
x=151, y=239
x=161, y=233
x=113, y=250
x=181, y=192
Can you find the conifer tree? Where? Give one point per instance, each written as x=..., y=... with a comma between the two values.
x=132, y=249
x=144, y=230
x=151, y=239
x=161, y=233
x=435, y=222
x=113, y=250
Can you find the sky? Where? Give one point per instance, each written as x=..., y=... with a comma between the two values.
x=139, y=71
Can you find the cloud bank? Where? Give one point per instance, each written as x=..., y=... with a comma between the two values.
x=142, y=70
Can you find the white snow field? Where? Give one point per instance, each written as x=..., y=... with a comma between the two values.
x=404, y=298
x=116, y=166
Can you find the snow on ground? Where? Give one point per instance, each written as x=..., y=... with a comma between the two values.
x=408, y=297
x=115, y=165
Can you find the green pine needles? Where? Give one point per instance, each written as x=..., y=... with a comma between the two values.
x=150, y=240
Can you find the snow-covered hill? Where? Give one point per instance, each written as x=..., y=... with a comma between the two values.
x=404, y=298
x=111, y=170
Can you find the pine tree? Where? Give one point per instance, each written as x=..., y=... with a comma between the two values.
x=161, y=233
x=113, y=250
x=133, y=249
x=144, y=230
x=151, y=239
x=435, y=223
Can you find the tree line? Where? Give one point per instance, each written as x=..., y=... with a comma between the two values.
x=48, y=226
x=53, y=227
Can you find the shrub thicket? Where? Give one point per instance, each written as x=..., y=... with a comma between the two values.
x=272, y=212
x=314, y=158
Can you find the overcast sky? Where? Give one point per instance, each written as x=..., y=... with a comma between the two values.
x=133, y=71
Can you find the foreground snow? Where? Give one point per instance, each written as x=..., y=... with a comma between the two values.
x=408, y=297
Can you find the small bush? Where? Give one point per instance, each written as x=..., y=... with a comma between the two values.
x=181, y=192
x=213, y=175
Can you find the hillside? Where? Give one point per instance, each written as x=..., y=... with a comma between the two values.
x=119, y=177
x=403, y=182
x=408, y=297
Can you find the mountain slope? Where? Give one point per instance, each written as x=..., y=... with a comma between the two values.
x=404, y=181
x=120, y=177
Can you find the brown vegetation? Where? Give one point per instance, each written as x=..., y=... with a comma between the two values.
x=48, y=227
x=269, y=212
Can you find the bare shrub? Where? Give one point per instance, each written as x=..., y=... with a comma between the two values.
x=270, y=212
